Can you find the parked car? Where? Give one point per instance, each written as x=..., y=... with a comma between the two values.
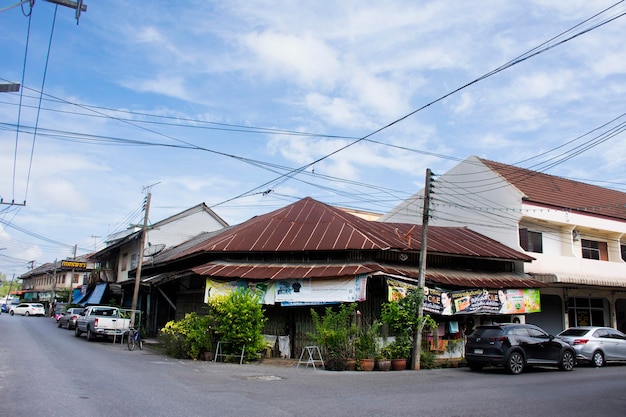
x=595, y=344
x=101, y=321
x=68, y=319
x=515, y=347
x=29, y=309
x=6, y=308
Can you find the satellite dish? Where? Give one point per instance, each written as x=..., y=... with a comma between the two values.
x=152, y=250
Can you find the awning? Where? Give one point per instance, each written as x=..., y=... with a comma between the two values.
x=588, y=280
x=280, y=271
x=94, y=297
x=467, y=279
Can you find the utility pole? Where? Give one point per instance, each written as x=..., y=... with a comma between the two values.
x=69, y=296
x=140, y=260
x=417, y=335
x=77, y=5
x=54, y=287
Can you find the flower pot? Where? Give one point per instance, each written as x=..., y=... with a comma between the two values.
x=398, y=364
x=367, y=364
x=383, y=365
x=350, y=364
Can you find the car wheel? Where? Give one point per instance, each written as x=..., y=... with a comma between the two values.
x=598, y=359
x=567, y=361
x=475, y=366
x=77, y=332
x=59, y=324
x=515, y=363
x=90, y=336
x=12, y=312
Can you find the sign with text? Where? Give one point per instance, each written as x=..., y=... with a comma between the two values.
x=472, y=301
x=73, y=264
x=295, y=291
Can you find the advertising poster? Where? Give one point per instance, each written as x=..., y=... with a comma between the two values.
x=519, y=301
x=472, y=301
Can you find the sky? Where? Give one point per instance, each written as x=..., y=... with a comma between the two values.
x=249, y=106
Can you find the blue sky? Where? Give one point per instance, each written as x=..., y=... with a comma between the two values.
x=218, y=102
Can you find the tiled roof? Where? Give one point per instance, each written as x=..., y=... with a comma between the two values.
x=550, y=190
x=309, y=225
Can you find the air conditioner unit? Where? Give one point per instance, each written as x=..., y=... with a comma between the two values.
x=518, y=318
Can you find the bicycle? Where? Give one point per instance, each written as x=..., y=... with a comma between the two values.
x=135, y=339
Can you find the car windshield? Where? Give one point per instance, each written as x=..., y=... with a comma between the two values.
x=574, y=332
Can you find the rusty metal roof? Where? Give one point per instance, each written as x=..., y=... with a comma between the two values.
x=563, y=193
x=309, y=225
x=278, y=271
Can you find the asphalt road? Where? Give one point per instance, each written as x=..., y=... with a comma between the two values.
x=46, y=371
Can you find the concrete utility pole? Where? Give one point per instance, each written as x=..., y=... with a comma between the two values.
x=140, y=260
x=417, y=335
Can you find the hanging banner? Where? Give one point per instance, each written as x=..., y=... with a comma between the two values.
x=294, y=292
x=472, y=301
x=307, y=291
x=265, y=289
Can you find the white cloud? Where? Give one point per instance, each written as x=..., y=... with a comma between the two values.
x=307, y=58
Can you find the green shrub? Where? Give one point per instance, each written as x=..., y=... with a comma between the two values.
x=335, y=330
x=238, y=319
x=187, y=338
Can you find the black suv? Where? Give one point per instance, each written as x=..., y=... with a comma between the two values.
x=516, y=346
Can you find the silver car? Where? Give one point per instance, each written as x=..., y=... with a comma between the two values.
x=597, y=345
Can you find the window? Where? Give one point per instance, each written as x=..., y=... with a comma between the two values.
x=586, y=312
x=531, y=241
x=124, y=261
x=133, y=261
x=623, y=248
x=75, y=278
x=594, y=250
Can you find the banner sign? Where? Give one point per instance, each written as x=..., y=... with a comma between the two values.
x=472, y=301
x=295, y=292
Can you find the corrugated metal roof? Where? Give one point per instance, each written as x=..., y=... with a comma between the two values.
x=591, y=280
x=278, y=271
x=309, y=225
x=559, y=192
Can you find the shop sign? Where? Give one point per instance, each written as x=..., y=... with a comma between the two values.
x=472, y=301
x=73, y=264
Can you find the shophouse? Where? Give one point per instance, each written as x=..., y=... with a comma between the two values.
x=312, y=255
x=576, y=233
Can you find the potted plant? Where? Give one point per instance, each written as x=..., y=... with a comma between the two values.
x=383, y=360
x=333, y=334
x=404, y=320
x=366, y=345
x=399, y=352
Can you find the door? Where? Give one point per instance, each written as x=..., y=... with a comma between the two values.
x=546, y=349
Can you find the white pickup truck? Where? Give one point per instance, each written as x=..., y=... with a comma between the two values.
x=101, y=321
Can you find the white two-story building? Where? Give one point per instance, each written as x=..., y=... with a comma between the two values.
x=575, y=231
